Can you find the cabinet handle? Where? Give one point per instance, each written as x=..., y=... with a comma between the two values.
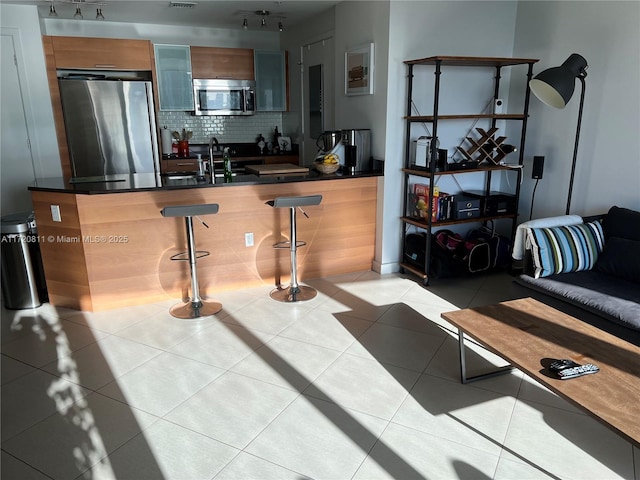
x=186, y=164
x=225, y=77
x=105, y=66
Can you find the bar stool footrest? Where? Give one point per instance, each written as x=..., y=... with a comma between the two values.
x=183, y=256
x=287, y=244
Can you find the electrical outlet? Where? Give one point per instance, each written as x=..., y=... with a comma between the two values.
x=248, y=239
x=55, y=213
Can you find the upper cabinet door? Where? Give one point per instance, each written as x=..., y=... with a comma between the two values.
x=101, y=53
x=271, y=81
x=222, y=63
x=173, y=69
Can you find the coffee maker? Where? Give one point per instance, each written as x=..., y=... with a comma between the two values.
x=357, y=146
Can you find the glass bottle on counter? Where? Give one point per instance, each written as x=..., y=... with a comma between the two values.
x=226, y=159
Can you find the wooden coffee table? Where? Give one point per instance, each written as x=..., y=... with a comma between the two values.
x=527, y=333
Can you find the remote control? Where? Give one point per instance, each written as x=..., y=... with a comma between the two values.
x=578, y=371
x=558, y=365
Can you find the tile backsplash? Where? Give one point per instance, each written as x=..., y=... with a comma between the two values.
x=227, y=129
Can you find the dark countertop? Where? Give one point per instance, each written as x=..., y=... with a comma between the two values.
x=149, y=181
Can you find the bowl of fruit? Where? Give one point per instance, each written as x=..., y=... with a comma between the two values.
x=327, y=164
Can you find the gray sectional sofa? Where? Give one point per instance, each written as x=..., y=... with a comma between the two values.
x=606, y=290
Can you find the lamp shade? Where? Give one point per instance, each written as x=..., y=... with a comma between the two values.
x=555, y=86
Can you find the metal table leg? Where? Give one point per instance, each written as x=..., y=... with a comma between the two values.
x=463, y=366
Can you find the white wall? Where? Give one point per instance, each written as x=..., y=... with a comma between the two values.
x=357, y=24
x=424, y=29
x=292, y=40
x=44, y=145
x=607, y=35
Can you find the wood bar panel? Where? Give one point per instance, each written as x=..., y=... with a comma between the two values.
x=63, y=255
x=126, y=243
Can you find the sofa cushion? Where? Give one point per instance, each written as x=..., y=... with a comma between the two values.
x=623, y=223
x=620, y=258
x=610, y=297
x=570, y=248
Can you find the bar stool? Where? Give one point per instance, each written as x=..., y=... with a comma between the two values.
x=295, y=292
x=195, y=307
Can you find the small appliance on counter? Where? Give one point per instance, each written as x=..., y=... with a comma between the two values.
x=352, y=147
x=357, y=145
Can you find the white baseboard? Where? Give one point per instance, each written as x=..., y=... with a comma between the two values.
x=386, y=268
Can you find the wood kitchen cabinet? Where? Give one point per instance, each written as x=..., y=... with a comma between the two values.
x=102, y=53
x=180, y=165
x=223, y=63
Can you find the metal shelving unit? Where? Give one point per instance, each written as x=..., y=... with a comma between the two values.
x=438, y=62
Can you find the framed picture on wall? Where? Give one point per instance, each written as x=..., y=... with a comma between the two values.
x=358, y=70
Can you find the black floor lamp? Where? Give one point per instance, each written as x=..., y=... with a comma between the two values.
x=555, y=87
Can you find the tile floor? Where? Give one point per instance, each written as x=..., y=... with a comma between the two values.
x=361, y=382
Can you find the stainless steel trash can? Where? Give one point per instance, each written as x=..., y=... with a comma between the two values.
x=23, y=283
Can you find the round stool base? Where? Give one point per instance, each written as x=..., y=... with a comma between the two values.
x=188, y=310
x=301, y=294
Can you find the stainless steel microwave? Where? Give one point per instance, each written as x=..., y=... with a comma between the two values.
x=224, y=97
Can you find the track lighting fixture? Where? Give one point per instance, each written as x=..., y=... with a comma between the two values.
x=262, y=14
x=77, y=5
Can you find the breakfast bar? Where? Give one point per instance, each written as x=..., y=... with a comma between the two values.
x=105, y=244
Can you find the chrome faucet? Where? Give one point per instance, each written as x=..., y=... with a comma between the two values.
x=212, y=169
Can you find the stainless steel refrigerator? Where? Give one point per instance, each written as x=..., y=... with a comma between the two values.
x=111, y=126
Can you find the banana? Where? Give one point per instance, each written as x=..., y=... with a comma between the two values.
x=330, y=158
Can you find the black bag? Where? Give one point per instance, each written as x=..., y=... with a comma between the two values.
x=447, y=256
x=414, y=249
x=499, y=246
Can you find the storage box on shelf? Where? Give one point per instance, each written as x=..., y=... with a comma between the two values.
x=447, y=209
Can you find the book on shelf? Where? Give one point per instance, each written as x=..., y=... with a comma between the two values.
x=444, y=206
x=421, y=201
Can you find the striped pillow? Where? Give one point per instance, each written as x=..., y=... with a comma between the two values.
x=565, y=249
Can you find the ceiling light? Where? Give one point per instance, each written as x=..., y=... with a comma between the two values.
x=78, y=14
x=99, y=15
x=262, y=14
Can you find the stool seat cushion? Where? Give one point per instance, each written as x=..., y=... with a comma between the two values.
x=302, y=201
x=190, y=210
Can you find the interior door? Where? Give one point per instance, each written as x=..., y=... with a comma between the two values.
x=317, y=95
x=16, y=161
